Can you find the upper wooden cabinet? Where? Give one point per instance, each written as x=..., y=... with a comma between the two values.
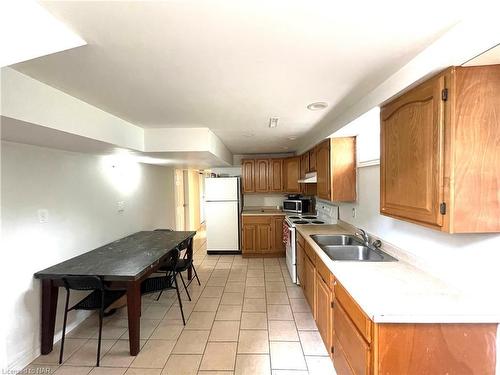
x=323, y=169
x=261, y=175
x=336, y=169
x=291, y=172
x=312, y=159
x=439, y=152
x=275, y=175
x=248, y=175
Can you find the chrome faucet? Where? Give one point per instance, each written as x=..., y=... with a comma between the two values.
x=361, y=233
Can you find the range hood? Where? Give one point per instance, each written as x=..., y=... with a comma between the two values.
x=310, y=178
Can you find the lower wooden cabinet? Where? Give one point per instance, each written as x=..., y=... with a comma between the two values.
x=324, y=311
x=358, y=346
x=262, y=235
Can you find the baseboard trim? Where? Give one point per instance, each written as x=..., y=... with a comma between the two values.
x=222, y=252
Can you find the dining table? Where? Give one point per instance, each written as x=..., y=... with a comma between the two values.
x=122, y=264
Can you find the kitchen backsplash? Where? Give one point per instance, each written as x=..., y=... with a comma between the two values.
x=268, y=200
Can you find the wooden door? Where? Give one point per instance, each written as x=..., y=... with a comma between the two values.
x=292, y=174
x=263, y=238
x=343, y=169
x=323, y=169
x=179, y=200
x=324, y=311
x=275, y=175
x=249, y=238
x=310, y=277
x=248, y=175
x=277, y=234
x=261, y=175
x=411, y=154
x=312, y=160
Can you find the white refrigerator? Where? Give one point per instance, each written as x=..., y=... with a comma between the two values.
x=223, y=214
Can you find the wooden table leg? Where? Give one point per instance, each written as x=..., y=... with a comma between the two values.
x=134, y=315
x=189, y=255
x=49, y=309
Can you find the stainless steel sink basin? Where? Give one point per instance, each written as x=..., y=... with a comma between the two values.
x=350, y=248
x=335, y=239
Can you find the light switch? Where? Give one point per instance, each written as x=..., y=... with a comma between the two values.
x=43, y=215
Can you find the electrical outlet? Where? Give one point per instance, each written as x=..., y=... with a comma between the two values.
x=120, y=205
x=43, y=215
x=354, y=212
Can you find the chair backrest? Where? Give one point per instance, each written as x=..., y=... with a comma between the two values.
x=83, y=282
x=171, y=259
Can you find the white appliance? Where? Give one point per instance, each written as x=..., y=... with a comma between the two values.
x=326, y=214
x=223, y=214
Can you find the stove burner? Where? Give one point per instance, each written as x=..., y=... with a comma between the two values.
x=300, y=222
x=294, y=217
x=318, y=222
x=309, y=217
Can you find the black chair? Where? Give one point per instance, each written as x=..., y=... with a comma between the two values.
x=99, y=299
x=168, y=281
x=182, y=264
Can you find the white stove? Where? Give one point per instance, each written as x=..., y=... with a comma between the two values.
x=326, y=215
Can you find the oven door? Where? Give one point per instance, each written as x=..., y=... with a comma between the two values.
x=291, y=255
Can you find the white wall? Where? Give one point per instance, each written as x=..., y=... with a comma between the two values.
x=80, y=192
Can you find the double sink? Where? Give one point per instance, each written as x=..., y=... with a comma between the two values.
x=350, y=248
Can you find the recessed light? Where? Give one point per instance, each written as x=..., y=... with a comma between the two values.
x=248, y=135
x=317, y=106
x=292, y=137
x=284, y=148
x=273, y=122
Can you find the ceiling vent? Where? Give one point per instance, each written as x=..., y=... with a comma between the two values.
x=273, y=122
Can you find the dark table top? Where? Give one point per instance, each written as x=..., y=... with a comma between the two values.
x=125, y=259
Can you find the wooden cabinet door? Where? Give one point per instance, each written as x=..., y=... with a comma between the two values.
x=323, y=169
x=248, y=175
x=343, y=169
x=261, y=175
x=275, y=175
x=411, y=155
x=312, y=160
x=310, y=277
x=263, y=238
x=324, y=311
x=277, y=244
x=292, y=174
x=304, y=164
x=249, y=238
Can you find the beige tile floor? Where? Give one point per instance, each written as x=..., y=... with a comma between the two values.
x=246, y=318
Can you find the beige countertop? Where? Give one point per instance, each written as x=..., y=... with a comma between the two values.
x=262, y=211
x=398, y=292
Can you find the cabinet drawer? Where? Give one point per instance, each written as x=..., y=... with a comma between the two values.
x=300, y=240
x=342, y=367
x=358, y=317
x=357, y=351
x=324, y=273
x=310, y=253
x=257, y=219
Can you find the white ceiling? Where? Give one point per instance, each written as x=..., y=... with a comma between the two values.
x=230, y=65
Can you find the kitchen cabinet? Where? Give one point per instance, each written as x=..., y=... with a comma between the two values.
x=291, y=169
x=304, y=164
x=248, y=175
x=357, y=345
x=275, y=175
x=439, y=152
x=324, y=311
x=261, y=235
x=261, y=175
x=312, y=160
x=323, y=169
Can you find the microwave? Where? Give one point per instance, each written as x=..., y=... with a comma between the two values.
x=298, y=206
